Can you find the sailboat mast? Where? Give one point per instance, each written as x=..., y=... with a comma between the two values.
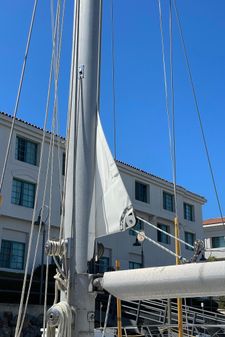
x=83, y=106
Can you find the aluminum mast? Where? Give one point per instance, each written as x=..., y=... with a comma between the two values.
x=83, y=106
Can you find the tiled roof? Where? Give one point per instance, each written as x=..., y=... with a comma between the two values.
x=157, y=177
x=27, y=123
x=213, y=221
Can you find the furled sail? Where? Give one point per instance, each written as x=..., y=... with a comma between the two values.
x=111, y=207
x=188, y=280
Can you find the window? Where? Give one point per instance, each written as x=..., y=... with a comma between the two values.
x=103, y=264
x=26, y=150
x=23, y=193
x=141, y=192
x=139, y=227
x=134, y=265
x=218, y=241
x=162, y=237
x=189, y=238
x=168, y=201
x=63, y=163
x=12, y=255
x=188, y=212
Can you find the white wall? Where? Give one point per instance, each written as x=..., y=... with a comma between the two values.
x=15, y=220
x=210, y=231
x=122, y=244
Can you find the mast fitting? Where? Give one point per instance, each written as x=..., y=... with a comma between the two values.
x=128, y=218
x=81, y=71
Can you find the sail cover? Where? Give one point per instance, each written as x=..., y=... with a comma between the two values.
x=111, y=205
x=188, y=280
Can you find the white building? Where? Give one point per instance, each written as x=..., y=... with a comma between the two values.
x=214, y=233
x=152, y=198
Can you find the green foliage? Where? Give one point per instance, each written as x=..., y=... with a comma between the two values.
x=221, y=302
x=212, y=259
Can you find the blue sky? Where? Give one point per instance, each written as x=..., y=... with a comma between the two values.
x=142, y=133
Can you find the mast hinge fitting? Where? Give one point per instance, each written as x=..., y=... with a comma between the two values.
x=81, y=71
x=128, y=218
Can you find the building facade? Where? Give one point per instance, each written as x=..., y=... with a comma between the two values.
x=214, y=230
x=152, y=198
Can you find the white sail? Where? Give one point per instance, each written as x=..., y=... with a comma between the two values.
x=111, y=208
x=188, y=280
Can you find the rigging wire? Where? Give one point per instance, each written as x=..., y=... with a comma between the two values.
x=18, y=93
x=113, y=78
x=165, y=80
x=186, y=318
x=73, y=103
x=164, y=232
x=106, y=315
x=57, y=43
x=50, y=216
x=197, y=108
x=170, y=115
x=61, y=188
x=173, y=150
x=176, y=219
x=181, y=258
x=20, y=319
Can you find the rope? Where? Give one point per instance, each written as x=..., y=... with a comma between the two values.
x=54, y=249
x=186, y=317
x=56, y=43
x=18, y=94
x=197, y=109
x=158, y=245
x=161, y=230
x=60, y=316
x=56, y=68
x=113, y=79
x=18, y=330
x=73, y=82
x=106, y=315
x=21, y=318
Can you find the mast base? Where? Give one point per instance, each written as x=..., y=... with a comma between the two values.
x=83, y=299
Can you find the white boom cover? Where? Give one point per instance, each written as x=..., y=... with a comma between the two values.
x=188, y=280
x=110, y=197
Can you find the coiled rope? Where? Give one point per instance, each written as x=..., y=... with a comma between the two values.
x=59, y=316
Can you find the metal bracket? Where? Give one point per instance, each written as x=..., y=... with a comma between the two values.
x=127, y=219
x=91, y=316
x=81, y=71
